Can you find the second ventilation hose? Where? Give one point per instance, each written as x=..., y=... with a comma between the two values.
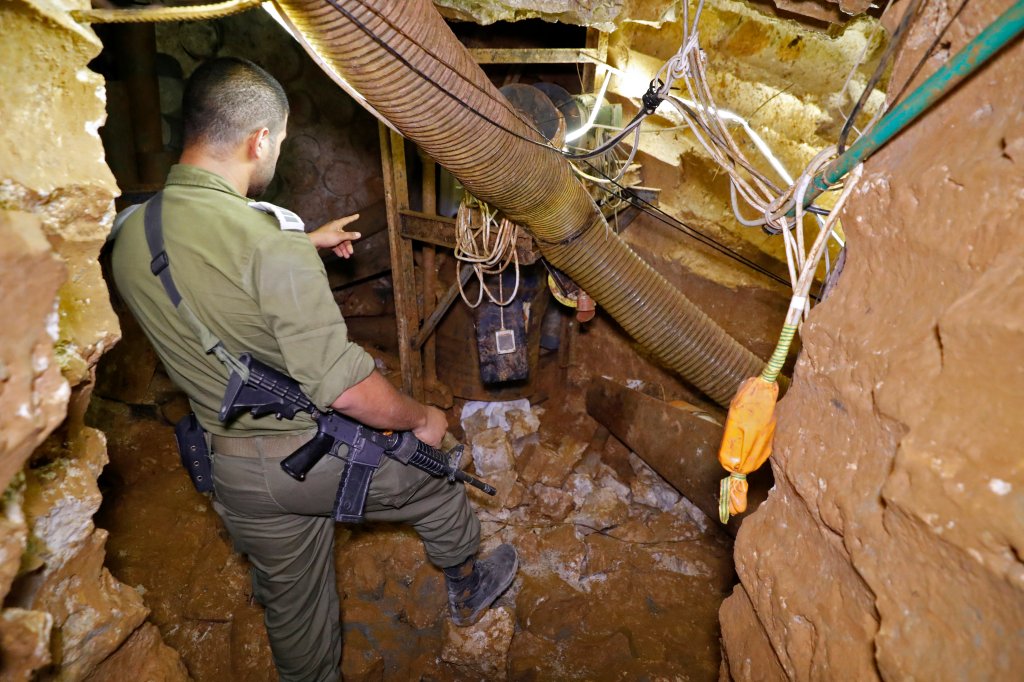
x=407, y=63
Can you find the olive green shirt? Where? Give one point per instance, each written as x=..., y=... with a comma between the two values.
x=257, y=287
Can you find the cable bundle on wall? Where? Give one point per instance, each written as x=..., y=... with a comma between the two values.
x=488, y=245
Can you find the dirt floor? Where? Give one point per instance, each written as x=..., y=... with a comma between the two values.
x=620, y=578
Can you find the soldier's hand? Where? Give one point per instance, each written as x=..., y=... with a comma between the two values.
x=434, y=426
x=333, y=236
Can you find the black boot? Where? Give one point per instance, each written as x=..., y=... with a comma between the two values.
x=475, y=584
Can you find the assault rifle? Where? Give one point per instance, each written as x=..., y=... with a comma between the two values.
x=268, y=391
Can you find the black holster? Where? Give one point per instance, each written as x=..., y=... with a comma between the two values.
x=194, y=452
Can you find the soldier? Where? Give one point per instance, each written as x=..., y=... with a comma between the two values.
x=258, y=284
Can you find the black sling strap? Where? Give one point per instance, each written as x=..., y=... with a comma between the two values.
x=160, y=266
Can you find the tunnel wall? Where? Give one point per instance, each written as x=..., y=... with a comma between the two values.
x=61, y=607
x=891, y=545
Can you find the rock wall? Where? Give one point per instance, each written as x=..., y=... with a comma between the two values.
x=891, y=546
x=63, y=614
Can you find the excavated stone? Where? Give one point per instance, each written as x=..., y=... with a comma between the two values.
x=516, y=417
x=25, y=643
x=492, y=453
x=551, y=502
x=539, y=463
x=601, y=509
x=394, y=607
x=510, y=492
x=480, y=649
x=904, y=490
x=651, y=489
x=143, y=656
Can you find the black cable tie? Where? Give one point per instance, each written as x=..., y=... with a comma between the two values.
x=652, y=100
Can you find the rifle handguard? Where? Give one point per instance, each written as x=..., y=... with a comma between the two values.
x=298, y=464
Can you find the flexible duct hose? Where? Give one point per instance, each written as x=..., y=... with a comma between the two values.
x=532, y=185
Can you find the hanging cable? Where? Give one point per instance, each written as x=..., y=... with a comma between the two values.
x=899, y=36
x=928, y=53
x=488, y=247
x=621, y=192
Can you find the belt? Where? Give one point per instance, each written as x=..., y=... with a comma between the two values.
x=254, y=446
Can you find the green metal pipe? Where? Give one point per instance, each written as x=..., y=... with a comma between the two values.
x=996, y=35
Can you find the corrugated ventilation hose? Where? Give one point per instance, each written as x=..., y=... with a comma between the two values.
x=530, y=184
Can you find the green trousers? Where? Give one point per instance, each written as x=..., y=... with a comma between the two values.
x=285, y=528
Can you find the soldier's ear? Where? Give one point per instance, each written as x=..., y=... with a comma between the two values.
x=259, y=143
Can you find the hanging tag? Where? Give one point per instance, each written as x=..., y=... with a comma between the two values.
x=505, y=341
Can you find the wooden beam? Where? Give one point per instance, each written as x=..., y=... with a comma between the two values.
x=372, y=258
x=536, y=55
x=445, y=302
x=440, y=231
x=396, y=197
x=680, y=442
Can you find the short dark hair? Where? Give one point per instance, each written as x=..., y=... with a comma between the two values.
x=228, y=98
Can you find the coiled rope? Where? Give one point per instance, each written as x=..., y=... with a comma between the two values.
x=488, y=245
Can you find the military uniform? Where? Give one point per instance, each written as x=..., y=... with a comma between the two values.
x=264, y=290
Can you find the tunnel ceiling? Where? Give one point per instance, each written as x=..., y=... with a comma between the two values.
x=607, y=16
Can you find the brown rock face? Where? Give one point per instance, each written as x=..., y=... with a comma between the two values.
x=143, y=656
x=891, y=547
x=65, y=614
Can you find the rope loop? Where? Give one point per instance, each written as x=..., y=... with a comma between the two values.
x=486, y=244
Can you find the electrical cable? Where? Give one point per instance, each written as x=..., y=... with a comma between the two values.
x=928, y=53
x=673, y=222
x=896, y=42
x=502, y=101
x=376, y=38
x=651, y=100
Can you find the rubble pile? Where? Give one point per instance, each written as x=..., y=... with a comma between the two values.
x=619, y=578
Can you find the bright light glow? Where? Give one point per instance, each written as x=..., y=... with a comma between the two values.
x=581, y=131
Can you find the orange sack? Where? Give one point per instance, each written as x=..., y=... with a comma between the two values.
x=747, y=441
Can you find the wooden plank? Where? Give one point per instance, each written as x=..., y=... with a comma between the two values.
x=396, y=197
x=680, y=442
x=535, y=55
x=440, y=231
x=371, y=259
x=445, y=302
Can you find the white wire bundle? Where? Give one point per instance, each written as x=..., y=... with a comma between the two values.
x=709, y=126
x=489, y=247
